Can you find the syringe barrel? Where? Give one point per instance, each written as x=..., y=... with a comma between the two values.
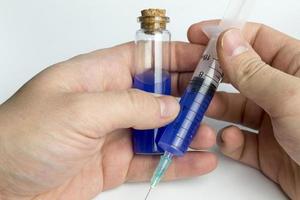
x=179, y=134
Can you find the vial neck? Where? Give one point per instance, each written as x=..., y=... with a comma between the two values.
x=153, y=27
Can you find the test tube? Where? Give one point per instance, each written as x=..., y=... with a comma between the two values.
x=152, y=63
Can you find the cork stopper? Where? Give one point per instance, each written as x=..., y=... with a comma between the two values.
x=154, y=12
x=153, y=19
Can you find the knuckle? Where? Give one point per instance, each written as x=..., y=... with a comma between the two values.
x=133, y=98
x=75, y=105
x=294, y=66
x=248, y=70
x=141, y=102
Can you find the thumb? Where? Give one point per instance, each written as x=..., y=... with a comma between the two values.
x=111, y=110
x=265, y=85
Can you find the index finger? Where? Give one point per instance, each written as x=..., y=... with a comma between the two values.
x=110, y=68
x=184, y=56
x=267, y=42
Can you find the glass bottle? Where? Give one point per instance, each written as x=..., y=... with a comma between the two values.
x=152, y=64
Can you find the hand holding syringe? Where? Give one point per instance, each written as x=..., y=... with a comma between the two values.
x=199, y=93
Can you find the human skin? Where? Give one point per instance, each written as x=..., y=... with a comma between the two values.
x=66, y=133
x=264, y=65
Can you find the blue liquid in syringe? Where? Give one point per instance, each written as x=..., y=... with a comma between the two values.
x=145, y=141
x=179, y=134
x=193, y=105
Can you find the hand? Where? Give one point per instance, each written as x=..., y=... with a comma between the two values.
x=65, y=134
x=269, y=101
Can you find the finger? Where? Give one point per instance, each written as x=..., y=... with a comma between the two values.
x=235, y=108
x=108, y=111
x=185, y=56
x=192, y=164
x=205, y=138
x=239, y=145
x=114, y=67
x=196, y=33
x=230, y=107
x=258, y=35
x=179, y=82
x=253, y=77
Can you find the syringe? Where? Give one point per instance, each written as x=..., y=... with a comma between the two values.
x=193, y=104
x=199, y=93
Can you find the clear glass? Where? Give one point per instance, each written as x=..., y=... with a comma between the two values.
x=152, y=50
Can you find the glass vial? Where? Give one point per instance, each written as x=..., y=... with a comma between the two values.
x=152, y=63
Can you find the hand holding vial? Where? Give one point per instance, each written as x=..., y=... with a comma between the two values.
x=67, y=133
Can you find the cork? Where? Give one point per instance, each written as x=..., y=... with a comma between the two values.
x=153, y=12
x=153, y=19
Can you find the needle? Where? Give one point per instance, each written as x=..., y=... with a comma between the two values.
x=148, y=193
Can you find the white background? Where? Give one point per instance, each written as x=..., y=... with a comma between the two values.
x=37, y=33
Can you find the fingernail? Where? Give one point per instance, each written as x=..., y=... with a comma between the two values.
x=233, y=43
x=168, y=106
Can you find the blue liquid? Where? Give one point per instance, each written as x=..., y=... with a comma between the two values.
x=145, y=141
x=179, y=134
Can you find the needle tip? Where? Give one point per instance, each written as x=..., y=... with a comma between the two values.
x=148, y=193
